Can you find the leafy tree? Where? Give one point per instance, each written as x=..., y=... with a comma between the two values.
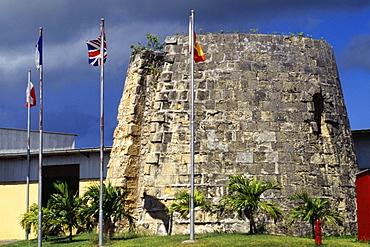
x=113, y=206
x=312, y=209
x=182, y=203
x=66, y=207
x=153, y=44
x=243, y=197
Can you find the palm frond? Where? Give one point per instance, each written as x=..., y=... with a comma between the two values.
x=244, y=197
x=182, y=203
x=310, y=209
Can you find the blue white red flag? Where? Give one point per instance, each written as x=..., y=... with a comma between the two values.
x=38, y=54
x=93, y=47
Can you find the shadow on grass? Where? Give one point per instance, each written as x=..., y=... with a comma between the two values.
x=78, y=238
x=215, y=233
x=65, y=240
x=126, y=236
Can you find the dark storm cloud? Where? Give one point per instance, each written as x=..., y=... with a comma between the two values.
x=224, y=11
x=71, y=119
x=65, y=17
x=68, y=24
x=65, y=20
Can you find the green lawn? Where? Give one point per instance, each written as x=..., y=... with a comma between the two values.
x=212, y=240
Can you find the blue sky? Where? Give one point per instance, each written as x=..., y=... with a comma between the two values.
x=71, y=86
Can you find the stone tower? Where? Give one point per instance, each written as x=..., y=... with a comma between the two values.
x=266, y=106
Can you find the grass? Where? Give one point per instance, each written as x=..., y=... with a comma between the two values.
x=212, y=240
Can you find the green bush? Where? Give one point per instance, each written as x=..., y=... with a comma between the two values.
x=153, y=44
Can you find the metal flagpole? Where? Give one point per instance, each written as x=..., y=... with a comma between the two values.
x=40, y=144
x=28, y=148
x=192, y=127
x=102, y=41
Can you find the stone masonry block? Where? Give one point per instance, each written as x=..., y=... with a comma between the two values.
x=244, y=157
x=156, y=137
x=158, y=117
x=166, y=76
x=152, y=158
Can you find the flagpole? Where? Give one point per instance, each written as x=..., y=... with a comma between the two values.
x=192, y=128
x=28, y=149
x=101, y=132
x=40, y=144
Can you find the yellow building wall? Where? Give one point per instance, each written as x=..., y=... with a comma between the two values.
x=84, y=184
x=13, y=205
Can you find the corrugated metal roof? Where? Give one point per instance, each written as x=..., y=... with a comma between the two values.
x=15, y=140
x=13, y=167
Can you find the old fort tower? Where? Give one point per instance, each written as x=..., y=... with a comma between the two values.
x=266, y=106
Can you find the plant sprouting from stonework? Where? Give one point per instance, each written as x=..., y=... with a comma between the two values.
x=153, y=70
x=300, y=34
x=153, y=44
x=255, y=31
x=292, y=89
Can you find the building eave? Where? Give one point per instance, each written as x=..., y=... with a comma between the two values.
x=48, y=153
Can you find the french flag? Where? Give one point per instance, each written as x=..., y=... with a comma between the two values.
x=38, y=54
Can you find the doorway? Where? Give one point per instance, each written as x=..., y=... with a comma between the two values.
x=64, y=173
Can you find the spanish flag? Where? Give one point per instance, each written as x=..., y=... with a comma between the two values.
x=198, y=51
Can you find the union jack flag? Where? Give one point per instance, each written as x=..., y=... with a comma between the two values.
x=93, y=47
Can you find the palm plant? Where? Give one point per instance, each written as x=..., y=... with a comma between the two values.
x=312, y=209
x=29, y=221
x=113, y=206
x=66, y=206
x=243, y=197
x=182, y=203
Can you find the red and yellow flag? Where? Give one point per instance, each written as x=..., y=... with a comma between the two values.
x=198, y=51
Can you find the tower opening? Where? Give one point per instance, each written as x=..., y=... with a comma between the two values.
x=318, y=102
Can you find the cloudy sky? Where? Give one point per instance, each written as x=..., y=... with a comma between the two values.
x=71, y=85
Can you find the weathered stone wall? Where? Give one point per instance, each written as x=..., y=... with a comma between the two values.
x=266, y=106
